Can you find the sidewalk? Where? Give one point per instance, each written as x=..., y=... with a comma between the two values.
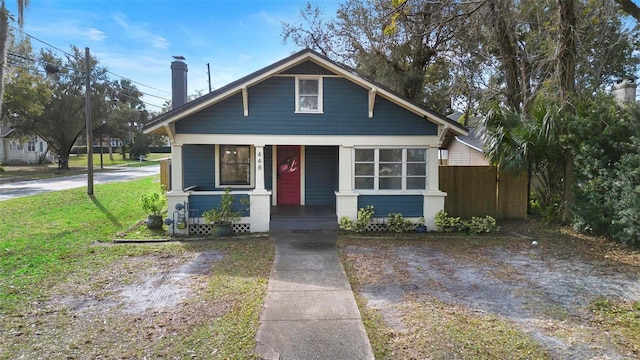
x=310, y=311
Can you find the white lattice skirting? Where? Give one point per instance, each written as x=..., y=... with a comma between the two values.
x=205, y=229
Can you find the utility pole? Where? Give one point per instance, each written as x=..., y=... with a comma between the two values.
x=209, y=76
x=87, y=96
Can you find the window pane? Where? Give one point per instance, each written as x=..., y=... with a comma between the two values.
x=308, y=87
x=417, y=169
x=364, y=169
x=308, y=102
x=416, y=155
x=235, y=164
x=416, y=183
x=364, y=183
x=237, y=174
x=392, y=183
x=364, y=154
x=390, y=170
x=390, y=155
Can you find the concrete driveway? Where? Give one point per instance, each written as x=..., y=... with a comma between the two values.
x=33, y=187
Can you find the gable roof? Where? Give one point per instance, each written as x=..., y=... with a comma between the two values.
x=472, y=140
x=158, y=124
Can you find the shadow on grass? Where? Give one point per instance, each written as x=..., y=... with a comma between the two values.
x=106, y=212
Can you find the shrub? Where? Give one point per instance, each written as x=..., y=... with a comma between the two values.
x=475, y=225
x=479, y=225
x=345, y=223
x=154, y=203
x=364, y=218
x=397, y=223
x=448, y=223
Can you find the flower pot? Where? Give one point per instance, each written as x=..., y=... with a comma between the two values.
x=221, y=230
x=154, y=222
x=421, y=229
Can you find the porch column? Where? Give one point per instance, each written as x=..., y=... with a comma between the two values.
x=176, y=167
x=346, y=198
x=176, y=195
x=432, y=174
x=433, y=198
x=260, y=205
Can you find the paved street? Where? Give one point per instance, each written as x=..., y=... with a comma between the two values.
x=33, y=187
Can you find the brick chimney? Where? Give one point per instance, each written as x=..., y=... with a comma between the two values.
x=178, y=82
x=624, y=90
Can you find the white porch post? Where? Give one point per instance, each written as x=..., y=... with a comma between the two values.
x=177, y=194
x=346, y=198
x=432, y=175
x=176, y=167
x=260, y=206
x=433, y=198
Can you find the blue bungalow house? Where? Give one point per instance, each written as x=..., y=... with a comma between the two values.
x=301, y=133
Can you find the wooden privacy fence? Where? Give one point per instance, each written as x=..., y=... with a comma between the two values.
x=483, y=190
x=165, y=173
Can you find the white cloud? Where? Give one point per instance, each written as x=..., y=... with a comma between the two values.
x=140, y=32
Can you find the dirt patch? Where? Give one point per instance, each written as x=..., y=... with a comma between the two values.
x=546, y=290
x=139, y=302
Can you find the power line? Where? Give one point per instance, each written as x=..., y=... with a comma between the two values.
x=112, y=73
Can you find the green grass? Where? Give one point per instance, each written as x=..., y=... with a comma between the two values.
x=81, y=160
x=51, y=234
x=621, y=319
x=60, y=240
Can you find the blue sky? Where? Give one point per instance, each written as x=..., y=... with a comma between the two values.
x=137, y=38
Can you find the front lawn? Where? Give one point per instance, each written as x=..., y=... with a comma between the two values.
x=67, y=291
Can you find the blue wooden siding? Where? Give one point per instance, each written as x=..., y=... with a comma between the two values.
x=271, y=112
x=268, y=167
x=383, y=205
x=199, y=163
x=308, y=68
x=321, y=175
x=200, y=203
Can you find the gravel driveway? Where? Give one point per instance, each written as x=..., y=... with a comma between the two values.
x=547, y=291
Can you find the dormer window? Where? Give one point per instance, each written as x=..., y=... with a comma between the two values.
x=309, y=94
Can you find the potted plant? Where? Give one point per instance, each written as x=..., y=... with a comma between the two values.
x=224, y=216
x=421, y=228
x=154, y=204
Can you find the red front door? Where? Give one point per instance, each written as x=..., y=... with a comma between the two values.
x=288, y=175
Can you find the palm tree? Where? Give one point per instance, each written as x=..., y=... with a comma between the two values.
x=4, y=37
x=530, y=143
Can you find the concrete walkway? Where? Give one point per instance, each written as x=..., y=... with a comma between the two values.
x=12, y=190
x=310, y=311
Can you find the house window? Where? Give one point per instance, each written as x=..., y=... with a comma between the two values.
x=309, y=94
x=15, y=145
x=390, y=169
x=234, y=166
x=31, y=145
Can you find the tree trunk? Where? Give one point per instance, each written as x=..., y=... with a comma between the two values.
x=110, y=149
x=630, y=8
x=508, y=52
x=565, y=74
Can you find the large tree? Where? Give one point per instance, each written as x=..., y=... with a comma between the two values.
x=404, y=45
x=62, y=118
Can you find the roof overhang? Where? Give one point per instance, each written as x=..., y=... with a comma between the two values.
x=165, y=122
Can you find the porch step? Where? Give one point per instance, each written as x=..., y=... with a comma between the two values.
x=313, y=223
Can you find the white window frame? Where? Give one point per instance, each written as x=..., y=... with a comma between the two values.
x=31, y=145
x=252, y=166
x=320, y=96
x=376, y=168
